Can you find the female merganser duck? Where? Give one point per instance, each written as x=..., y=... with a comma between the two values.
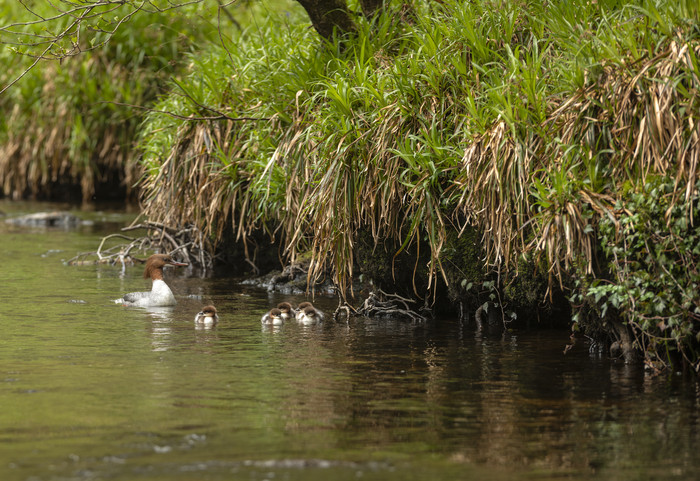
x=287, y=310
x=308, y=314
x=207, y=316
x=160, y=294
x=273, y=318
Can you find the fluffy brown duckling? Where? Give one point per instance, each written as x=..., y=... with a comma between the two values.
x=308, y=314
x=287, y=310
x=207, y=316
x=273, y=318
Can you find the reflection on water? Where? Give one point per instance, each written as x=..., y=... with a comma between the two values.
x=94, y=390
x=161, y=326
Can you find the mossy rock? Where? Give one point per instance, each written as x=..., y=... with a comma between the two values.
x=463, y=266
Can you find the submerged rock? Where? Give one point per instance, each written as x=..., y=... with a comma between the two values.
x=48, y=219
x=291, y=280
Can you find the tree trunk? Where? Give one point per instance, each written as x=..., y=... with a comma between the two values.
x=330, y=17
x=369, y=7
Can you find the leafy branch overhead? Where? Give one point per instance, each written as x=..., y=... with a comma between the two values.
x=75, y=27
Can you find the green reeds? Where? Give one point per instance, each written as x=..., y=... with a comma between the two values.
x=465, y=112
x=528, y=123
x=69, y=126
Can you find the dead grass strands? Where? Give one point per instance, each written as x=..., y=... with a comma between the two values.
x=69, y=126
x=471, y=117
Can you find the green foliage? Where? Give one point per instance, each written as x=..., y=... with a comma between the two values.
x=529, y=127
x=72, y=123
x=653, y=254
x=492, y=116
x=209, y=159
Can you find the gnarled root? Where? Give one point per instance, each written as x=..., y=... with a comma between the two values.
x=189, y=242
x=380, y=304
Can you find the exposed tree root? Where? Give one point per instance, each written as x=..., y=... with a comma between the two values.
x=188, y=244
x=344, y=312
x=380, y=304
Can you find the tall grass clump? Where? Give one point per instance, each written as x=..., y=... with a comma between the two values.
x=69, y=125
x=531, y=127
x=209, y=160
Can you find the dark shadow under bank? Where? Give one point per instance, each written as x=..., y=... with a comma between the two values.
x=466, y=291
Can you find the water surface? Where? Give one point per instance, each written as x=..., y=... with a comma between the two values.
x=92, y=390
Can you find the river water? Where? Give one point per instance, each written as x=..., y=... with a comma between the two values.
x=92, y=390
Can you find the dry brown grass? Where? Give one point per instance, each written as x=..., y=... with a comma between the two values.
x=400, y=168
x=55, y=147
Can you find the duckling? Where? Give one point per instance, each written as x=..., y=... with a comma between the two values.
x=303, y=305
x=287, y=310
x=302, y=314
x=273, y=318
x=309, y=315
x=207, y=316
x=300, y=309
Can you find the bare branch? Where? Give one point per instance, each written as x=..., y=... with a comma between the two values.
x=194, y=246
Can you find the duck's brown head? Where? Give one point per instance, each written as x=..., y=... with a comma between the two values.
x=155, y=264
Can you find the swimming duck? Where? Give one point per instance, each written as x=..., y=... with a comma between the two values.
x=273, y=318
x=301, y=307
x=305, y=316
x=309, y=315
x=207, y=316
x=287, y=310
x=160, y=294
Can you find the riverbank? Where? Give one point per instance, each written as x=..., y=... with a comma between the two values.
x=516, y=162
x=507, y=176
